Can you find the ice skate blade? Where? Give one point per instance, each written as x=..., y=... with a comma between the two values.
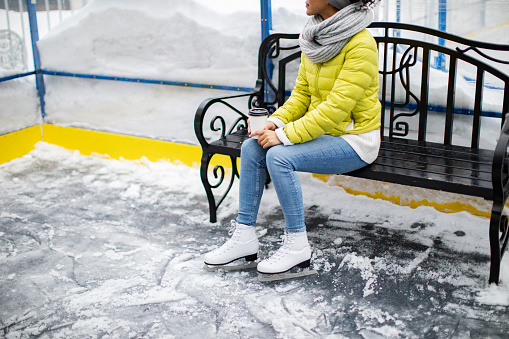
x=230, y=267
x=263, y=277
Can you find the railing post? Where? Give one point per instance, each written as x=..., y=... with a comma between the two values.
x=34, y=34
x=266, y=17
x=442, y=26
x=397, y=32
x=266, y=20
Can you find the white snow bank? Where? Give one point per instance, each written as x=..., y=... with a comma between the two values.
x=161, y=112
x=171, y=40
x=19, y=105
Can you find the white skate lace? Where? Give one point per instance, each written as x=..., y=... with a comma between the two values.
x=234, y=232
x=283, y=250
x=233, y=227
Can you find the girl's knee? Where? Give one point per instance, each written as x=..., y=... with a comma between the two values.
x=250, y=142
x=271, y=155
x=249, y=146
x=251, y=151
x=276, y=156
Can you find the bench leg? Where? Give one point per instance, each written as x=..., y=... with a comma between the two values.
x=498, y=240
x=205, y=161
x=268, y=180
x=219, y=174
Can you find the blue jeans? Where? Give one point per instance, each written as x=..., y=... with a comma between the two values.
x=323, y=155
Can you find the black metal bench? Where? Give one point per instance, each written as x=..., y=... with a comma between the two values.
x=414, y=152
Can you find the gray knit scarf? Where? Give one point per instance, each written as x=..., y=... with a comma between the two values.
x=321, y=40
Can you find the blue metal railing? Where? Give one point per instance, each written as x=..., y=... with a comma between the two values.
x=16, y=76
x=147, y=81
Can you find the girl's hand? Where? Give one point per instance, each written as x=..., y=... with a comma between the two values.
x=270, y=126
x=267, y=138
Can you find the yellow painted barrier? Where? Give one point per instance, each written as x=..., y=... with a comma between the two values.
x=17, y=144
x=118, y=146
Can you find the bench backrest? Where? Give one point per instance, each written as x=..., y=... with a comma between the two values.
x=430, y=81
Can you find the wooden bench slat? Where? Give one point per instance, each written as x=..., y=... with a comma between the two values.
x=459, y=161
x=430, y=148
x=445, y=165
x=424, y=168
x=404, y=176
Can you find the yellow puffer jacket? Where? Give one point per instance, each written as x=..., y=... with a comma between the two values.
x=328, y=96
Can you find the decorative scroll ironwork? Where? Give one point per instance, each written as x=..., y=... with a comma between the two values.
x=402, y=71
x=255, y=101
x=484, y=55
x=219, y=174
x=275, y=50
x=222, y=128
x=239, y=124
x=221, y=177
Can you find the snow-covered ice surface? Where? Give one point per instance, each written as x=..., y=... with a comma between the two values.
x=91, y=248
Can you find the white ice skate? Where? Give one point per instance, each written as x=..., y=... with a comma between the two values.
x=243, y=244
x=292, y=260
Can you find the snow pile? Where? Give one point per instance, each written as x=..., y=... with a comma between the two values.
x=192, y=41
x=161, y=112
x=171, y=40
x=20, y=105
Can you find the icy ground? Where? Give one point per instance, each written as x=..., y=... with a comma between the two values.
x=98, y=248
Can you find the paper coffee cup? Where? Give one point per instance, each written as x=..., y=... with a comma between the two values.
x=257, y=119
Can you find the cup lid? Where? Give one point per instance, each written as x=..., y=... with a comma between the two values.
x=258, y=112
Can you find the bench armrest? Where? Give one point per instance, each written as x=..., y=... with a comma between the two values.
x=218, y=123
x=500, y=169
